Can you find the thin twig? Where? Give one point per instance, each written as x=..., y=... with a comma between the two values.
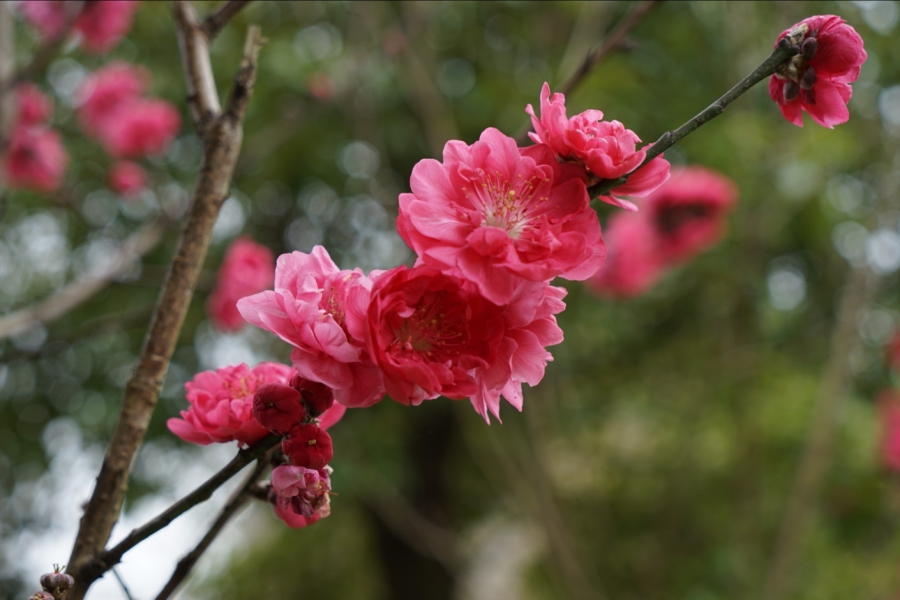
x=221, y=133
x=231, y=508
x=122, y=584
x=834, y=392
x=783, y=52
x=111, y=557
x=79, y=291
x=214, y=23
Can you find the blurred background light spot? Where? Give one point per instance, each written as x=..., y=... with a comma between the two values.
x=302, y=234
x=366, y=214
x=883, y=251
x=889, y=105
x=876, y=326
x=99, y=208
x=497, y=32
x=846, y=193
x=880, y=15
x=456, y=77
x=359, y=159
x=318, y=42
x=186, y=153
x=230, y=221
x=786, y=284
x=32, y=338
x=319, y=202
x=66, y=76
x=849, y=239
x=273, y=198
x=798, y=180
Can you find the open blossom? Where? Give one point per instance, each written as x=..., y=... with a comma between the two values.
x=633, y=265
x=817, y=80
x=301, y=494
x=246, y=269
x=34, y=107
x=127, y=179
x=499, y=214
x=101, y=23
x=321, y=311
x=222, y=404
x=605, y=148
x=140, y=127
x=104, y=90
x=35, y=159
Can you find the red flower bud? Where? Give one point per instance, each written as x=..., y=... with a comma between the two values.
x=41, y=596
x=278, y=407
x=308, y=446
x=318, y=397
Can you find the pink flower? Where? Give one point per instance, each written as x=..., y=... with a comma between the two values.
x=500, y=215
x=127, y=179
x=429, y=332
x=308, y=445
x=35, y=159
x=140, y=127
x=321, y=311
x=818, y=79
x=634, y=265
x=605, y=148
x=222, y=404
x=105, y=90
x=529, y=327
x=301, y=492
x=103, y=23
x=889, y=413
x=34, y=107
x=246, y=269
x=688, y=212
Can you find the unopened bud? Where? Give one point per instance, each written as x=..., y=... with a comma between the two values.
x=278, y=407
x=56, y=582
x=308, y=446
x=808, y=47
x=318, y=397
x=808, y=80
x=791, y=90
x=41, y=596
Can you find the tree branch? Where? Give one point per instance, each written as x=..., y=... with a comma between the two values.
x=232, y=508
x=108, y=559
x=137, y=245
x=221, y=136
x=214, y=23
x=783, y=52
x=7, y=64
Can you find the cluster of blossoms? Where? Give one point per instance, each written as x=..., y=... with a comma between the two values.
x=682, y=218
x=101, y=24
x=248, y=268
x=113, y=110
x=34, y=157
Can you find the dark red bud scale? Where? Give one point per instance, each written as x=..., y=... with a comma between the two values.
x=791, y=90
x=809, y=79
x=808, y=47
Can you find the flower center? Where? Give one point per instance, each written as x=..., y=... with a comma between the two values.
x=507, y=205
x=436, y=329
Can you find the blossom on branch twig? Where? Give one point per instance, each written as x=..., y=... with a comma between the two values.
x=248, y=268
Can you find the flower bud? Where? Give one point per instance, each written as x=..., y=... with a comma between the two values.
x=56, y=582
x=808, y=80
x=308, y=446
x=278, y=407
x=791, y=90
x=41, y=596
x=318, y=397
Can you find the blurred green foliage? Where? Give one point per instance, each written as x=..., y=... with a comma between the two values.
x=655, y=459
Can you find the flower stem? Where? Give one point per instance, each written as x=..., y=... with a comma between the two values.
x=783, y=52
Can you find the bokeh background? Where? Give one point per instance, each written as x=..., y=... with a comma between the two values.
x=657, y=458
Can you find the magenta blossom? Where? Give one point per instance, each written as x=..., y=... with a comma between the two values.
x=140, y=127
x=605, y=148
x=35, y=159
x=817, y=80
x=320, y=310
x=634, y=265
x=104, y=90
x=222, y=404
x=500, y=215
x=301, y=492
x=34, y=107
x=102, y=23
x=127, y=179
x=889, y=414
x=248, y=268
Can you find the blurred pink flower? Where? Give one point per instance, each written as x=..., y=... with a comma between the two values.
x=605, y=148
x=101, y=23
x=127, y=179
x=104, y=90
x=35, y=159
x=500, y=215
x=140, y=127
x=818, y=79
x=634, y=264
x=34, y=107
x=248, y=268
x=301, y=492
x=222, y=404
x=889, y=413
x=321, y=311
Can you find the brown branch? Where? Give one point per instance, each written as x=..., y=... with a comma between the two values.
x=783, y=52
x=221, y=135
x=232, y=508
x=834, y=392
x=214, y=23
x=137, y=245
